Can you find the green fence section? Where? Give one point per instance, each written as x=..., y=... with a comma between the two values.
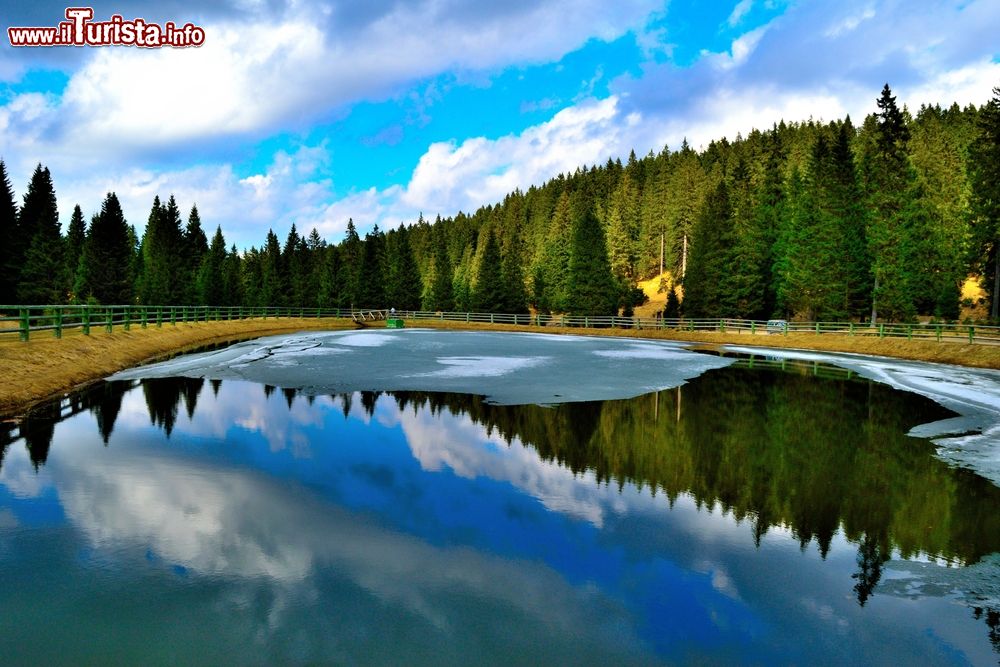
x=28, y=320
x=25, y=321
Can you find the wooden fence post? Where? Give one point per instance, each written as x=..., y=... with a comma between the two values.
x=25, y=324
x=86, y=320
x=57, y=332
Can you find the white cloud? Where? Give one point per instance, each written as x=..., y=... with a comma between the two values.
x=739, y=11
x=451, y=177
x=255, y=77
x=849, y=23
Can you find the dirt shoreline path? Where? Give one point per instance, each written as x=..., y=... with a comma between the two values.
x=44, y=368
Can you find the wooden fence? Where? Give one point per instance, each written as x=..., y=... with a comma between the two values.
x=26, y=320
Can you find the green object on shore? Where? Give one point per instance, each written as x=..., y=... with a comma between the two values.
x=394, y=323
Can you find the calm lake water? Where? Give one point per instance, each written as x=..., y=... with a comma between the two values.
x=754, y=515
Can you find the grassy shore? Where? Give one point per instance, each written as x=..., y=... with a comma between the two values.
x=45, y=367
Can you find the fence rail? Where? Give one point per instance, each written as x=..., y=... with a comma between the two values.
x=25, y=320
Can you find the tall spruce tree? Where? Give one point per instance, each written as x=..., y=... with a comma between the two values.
x=403, y=285
x=211, y=281
x=106, y=264
x=195, y=246
x=40, y=280
x=351, y=258
x=556, y=256
x=888, y=179
x=270, y=292
x=985, y=178
x=488, y=293
x=373, y=270
x=294, y=270
x=708, y=285
x=163, y=260
x=12, y=249
x=591, y=287
x=441, y=295
x=232, y=279
x=816, y=284
x=76, y=236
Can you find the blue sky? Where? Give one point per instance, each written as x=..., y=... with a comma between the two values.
x=312, y=112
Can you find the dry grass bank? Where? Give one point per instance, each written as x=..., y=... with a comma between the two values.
x=963, y=354
x=45, y=366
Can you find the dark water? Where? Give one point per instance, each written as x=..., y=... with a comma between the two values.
x=751, y=516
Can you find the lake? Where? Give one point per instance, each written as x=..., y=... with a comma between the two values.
x=443, y=498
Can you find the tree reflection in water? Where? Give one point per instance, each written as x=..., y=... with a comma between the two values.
x=801, y=447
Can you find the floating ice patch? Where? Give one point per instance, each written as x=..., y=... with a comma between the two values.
x=470, y=367
x=504, y=367
x=363, y=339
x=644, y=351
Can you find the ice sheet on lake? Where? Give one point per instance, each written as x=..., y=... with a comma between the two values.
x=971, y=440
x=509, y=368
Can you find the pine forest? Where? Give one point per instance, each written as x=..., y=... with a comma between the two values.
x=824, y=221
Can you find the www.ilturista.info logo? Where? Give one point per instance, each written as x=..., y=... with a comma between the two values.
x=80, y=30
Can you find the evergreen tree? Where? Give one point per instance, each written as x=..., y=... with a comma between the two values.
x=293, y=270
x=591, y=289
x=708, y=285
x=985, y=180
x=488, y=293
x=556, y=256
x=848, y=205
x=270, y=292
x=106, y=264
x=815, y=282
x=329, y=270
x=12, y=249
x=686, y=191
x=232, y=279
x=195, y=246
x=750, y=270
x=441, y=296
x=163, y=256
x=211, y=281
x=515, y=298
x=351, y=256
x=403, y=285
x=373, y=271
x=654, y=216
x=41, y=277
x=319, y=281
x=623, y=231
x=888, y=179
x=76, y=236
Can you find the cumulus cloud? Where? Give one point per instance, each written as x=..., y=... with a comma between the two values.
x=251, y=77
x=739, y=11
x=453, y=176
